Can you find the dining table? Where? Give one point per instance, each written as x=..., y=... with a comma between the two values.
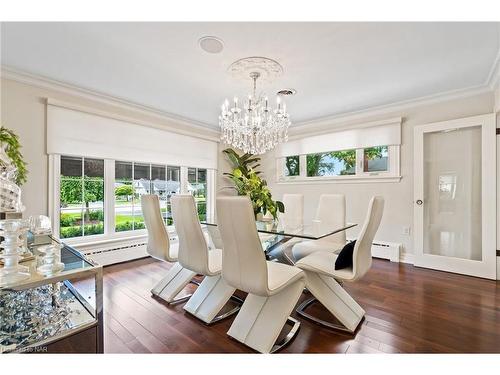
x=275, y=235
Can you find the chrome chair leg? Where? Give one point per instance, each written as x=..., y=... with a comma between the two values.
x=289, y=337
x=229, y=313
x=177, y=300
x=308, y=302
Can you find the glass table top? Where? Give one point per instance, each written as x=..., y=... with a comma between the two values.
x=313, y=231
x=73, y=261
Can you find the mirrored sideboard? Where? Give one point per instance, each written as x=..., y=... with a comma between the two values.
x=55, y=313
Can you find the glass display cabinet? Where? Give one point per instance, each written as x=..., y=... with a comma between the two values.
x=51, y=312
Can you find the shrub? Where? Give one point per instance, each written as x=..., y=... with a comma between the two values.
x=94, y=229
x=139, y=225
x=67, y=220
x=96, y=215
x=123, y=226
x=70, y=232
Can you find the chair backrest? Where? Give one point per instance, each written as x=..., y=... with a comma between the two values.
x=158, y=243
x=362, y=255
x=331, y=213
x=227, y=191
x=293, y=216
x=243, y=261
x=193, y=249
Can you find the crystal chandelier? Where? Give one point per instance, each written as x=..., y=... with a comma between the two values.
x=255, y=127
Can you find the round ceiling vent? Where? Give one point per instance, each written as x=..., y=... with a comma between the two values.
x=211, y=44
x=287, y=92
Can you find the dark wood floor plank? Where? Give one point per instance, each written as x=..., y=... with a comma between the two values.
x=408, y=310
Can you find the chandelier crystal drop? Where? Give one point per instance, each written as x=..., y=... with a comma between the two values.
x=255, y=127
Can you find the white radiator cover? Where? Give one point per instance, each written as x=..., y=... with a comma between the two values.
x=385, y=250
x=117, y=251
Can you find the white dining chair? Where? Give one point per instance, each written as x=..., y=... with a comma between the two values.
x=293, y=216
x=329, y=214
x=322, y=280
x=159, y=248
x=273, y=288
x=213, y=293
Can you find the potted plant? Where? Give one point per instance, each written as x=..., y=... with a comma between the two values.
x=9, y=143
x=247, y=182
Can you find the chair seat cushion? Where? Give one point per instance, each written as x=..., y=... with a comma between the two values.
x=280, y=275
x=344, y=258
x=305, y=248
x=323, y=262
x=215, y=261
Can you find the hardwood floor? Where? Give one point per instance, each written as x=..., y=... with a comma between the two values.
x=408, y=310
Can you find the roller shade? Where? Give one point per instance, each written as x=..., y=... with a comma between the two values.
x=73, y=132
x=383, y=135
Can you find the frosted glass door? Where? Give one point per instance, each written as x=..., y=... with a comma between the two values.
x=453, y=162
x=452, y=193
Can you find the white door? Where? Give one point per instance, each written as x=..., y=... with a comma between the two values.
x=455, y=196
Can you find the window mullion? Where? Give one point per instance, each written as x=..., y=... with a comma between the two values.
x=303, y=165
x=133, y=195
x=109, y=196
x=359, y=162
x=82, y=207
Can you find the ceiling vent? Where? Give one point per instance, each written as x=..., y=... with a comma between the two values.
x=287, y=92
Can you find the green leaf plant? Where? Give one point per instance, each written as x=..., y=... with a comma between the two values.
x=247, y=182
x=10, y=142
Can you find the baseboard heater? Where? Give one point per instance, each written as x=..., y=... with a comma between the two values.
x=118, y=252
x=385, y=250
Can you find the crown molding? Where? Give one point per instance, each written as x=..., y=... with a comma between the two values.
x=179, y=124
x=493, y=80
x=339, y=121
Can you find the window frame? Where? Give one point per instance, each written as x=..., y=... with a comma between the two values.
x=391, y=175
x=54, y=203
x=57, y=210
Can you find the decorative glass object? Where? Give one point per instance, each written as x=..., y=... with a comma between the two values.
x=51, y=259
x=12, y=272
x=23, y=238
x=33, y=315
x=40, y=224
x=10, y=192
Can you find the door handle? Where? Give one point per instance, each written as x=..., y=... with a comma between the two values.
x=419, y=202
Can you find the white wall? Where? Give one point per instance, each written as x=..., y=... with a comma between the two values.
x=23, y=109
x=398, y=196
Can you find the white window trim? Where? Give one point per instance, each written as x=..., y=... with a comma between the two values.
x=109, y=202
x=392, y=175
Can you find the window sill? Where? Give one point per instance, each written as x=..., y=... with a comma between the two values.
x=339, y=180
x=108, y=239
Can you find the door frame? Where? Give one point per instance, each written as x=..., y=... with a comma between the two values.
x=486, y=268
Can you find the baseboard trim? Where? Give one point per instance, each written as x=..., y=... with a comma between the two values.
x=407, y=258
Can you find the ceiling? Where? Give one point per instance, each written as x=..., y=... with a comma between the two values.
x=336, y=68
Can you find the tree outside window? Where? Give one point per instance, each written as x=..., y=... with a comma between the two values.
x=292, y=165
x=336, y=163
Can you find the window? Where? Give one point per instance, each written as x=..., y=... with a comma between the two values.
x=173, y=187
x=132, y=180
x=197, y=185
x=84, y=183
x=337, y=163
x=292, y=166
x=370, y=163
x=81, y=197
x=375, y=159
